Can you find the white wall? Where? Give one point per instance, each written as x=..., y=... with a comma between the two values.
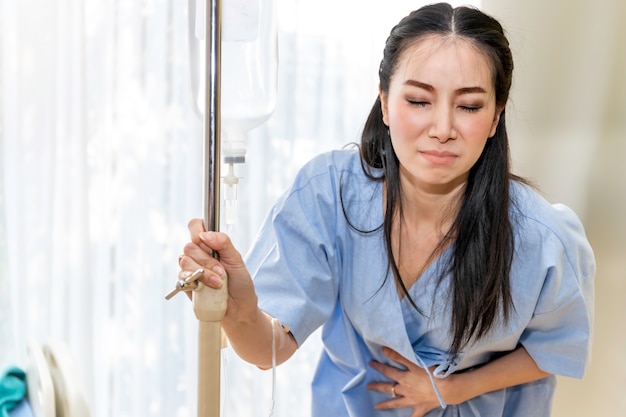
x=568, y=132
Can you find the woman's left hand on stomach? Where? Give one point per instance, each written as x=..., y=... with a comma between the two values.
x=409, y=388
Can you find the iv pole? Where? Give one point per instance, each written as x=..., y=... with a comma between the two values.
x=210, y=304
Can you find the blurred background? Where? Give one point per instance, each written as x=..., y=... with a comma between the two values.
x=568, y=133
x=101, y=168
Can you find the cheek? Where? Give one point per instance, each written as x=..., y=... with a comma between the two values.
x=403, y=120
x=476, y=130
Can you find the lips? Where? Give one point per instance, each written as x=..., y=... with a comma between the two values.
x=439, y=157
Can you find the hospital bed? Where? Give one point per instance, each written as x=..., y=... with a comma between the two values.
x=53, y=385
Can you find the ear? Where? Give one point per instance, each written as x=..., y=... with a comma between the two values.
x=496, y=120
x=384, y=105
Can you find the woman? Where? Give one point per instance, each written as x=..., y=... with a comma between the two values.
x=444, y=284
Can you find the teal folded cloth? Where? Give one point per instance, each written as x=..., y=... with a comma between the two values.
x=12, y=389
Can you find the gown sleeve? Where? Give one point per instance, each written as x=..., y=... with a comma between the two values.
x=558, y=336
x=293, y=261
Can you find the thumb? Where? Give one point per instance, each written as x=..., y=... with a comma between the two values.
x=229, y=256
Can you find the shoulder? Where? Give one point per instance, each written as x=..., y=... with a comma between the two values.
x=549, y=230
x=330, y=171
x=320, y=180
x=332, y=163
x=333, y=185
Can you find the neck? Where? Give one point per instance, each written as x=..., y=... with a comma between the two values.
x=430, y=209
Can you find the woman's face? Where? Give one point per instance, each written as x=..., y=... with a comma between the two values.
x=440, y=110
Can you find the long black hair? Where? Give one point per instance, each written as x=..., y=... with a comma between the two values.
x=481, y=231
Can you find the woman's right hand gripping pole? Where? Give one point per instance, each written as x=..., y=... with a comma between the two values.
x=248, y=328
x=198, y=253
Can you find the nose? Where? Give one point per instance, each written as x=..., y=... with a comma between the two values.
x=442, y=124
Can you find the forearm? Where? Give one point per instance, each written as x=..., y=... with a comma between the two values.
x=253, y=338
x=509, y=370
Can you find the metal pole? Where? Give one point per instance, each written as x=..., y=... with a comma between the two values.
x=212, y=123
x=209, y=332
x=209, y=304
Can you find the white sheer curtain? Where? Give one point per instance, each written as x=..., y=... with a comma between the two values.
x=101, y=150
x=100, y=168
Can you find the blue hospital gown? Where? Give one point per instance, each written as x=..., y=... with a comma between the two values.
x=312, y=269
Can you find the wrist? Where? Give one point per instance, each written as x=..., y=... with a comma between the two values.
x=242, y=315
x=457, y=388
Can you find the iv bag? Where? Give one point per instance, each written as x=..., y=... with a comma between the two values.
x=249, y=64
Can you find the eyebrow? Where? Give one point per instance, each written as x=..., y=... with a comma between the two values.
x=459, y=91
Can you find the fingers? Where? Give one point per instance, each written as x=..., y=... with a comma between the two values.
x=194, y=258
x=195, y=227
x=229, y=257
x=400, y=396
x=393, y=372
x=389, y=371
x=389, y=388
x=394, y=391
x=396, y=357
x=407, y=385
x=210, y=241
x=199, y=253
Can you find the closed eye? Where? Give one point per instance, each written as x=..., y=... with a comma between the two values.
x=417, y=103
x=470, y=109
